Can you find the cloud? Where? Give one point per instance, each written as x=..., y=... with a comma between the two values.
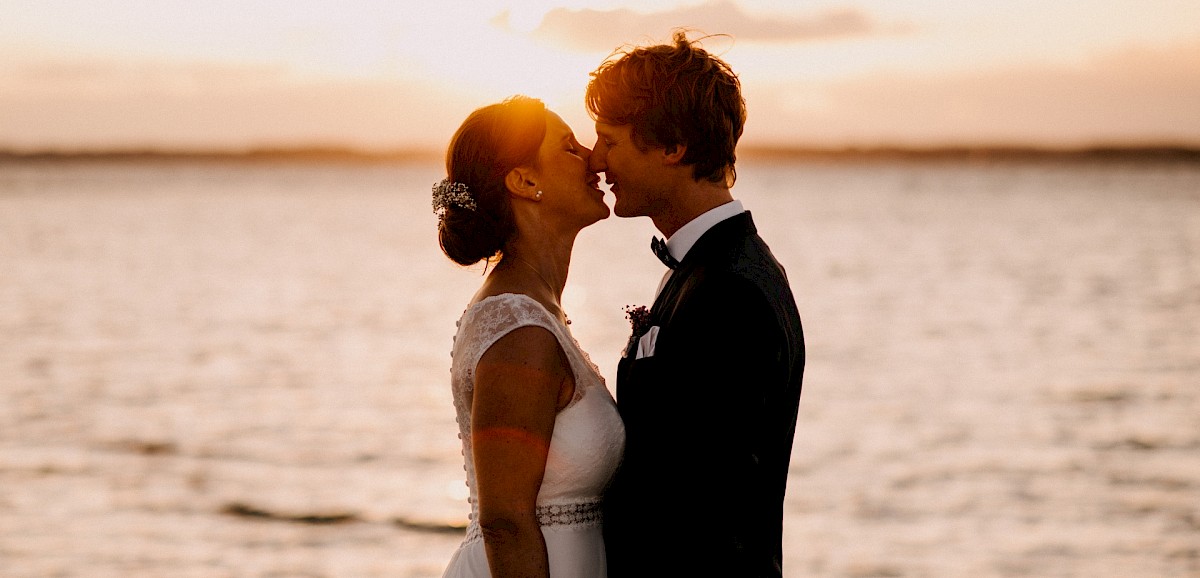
x=1123, y=96
x=603, y=30
x=1135, y=96
x=97, y=76
x=104, y=103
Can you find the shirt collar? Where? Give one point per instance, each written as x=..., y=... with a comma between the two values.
x=681, y=242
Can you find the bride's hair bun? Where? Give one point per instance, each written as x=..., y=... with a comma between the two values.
x=491, y=142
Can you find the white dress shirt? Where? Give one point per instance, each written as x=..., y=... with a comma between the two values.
x=682, y=241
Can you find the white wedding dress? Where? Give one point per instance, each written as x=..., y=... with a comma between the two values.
x=585, y=448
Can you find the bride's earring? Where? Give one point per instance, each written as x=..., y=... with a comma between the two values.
x=538, y=196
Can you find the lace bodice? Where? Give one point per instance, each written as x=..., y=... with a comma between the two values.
x=588, y=437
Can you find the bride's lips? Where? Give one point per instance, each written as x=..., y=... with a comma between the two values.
x=594, y=183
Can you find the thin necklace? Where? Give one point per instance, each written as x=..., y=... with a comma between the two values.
x=548, y=285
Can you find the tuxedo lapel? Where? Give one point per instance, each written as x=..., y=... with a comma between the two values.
x=717, y=396
x=721, y=235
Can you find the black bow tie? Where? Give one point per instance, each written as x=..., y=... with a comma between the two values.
x=660, y=250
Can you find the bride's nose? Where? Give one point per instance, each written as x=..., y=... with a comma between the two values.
x=595, y=161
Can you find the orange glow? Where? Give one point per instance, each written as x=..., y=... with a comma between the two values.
x=105, y=73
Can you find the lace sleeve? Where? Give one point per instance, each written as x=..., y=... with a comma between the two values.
x=481, y=326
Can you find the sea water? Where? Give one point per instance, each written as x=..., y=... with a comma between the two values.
x=242, y=369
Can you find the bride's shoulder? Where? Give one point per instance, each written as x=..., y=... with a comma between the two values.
x=502, y=309
x=500, y=301
x=491, y=317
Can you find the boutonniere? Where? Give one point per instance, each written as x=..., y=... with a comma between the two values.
x=639, y=319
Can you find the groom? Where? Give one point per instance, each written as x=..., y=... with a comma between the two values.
x=710, y=381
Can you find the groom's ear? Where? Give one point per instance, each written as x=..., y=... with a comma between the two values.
x=522, y=182
x=673, y=154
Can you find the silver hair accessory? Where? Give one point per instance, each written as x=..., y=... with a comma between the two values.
x=450, y=194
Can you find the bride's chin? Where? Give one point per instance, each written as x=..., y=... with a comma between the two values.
x=605, y=208
x=600, y=217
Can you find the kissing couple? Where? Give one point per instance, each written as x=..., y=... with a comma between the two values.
x=684, y=473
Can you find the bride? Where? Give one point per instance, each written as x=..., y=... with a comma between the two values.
x=540, y=433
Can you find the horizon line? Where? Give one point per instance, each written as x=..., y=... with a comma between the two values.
x=349, y=154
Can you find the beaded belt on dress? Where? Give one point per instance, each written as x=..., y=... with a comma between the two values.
x=578, y=514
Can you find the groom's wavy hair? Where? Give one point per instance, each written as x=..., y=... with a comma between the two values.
x=491, y=142
x=674, y=94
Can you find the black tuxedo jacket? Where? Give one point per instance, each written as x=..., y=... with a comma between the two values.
x=709, y=418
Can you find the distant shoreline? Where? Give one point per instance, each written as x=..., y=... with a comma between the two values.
x=982, y=153
x=1164, y=153
x=298, y=155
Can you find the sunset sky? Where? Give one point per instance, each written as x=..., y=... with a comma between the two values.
x=87, y=74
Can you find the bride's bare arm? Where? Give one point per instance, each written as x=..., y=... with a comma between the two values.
x=520, y=384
